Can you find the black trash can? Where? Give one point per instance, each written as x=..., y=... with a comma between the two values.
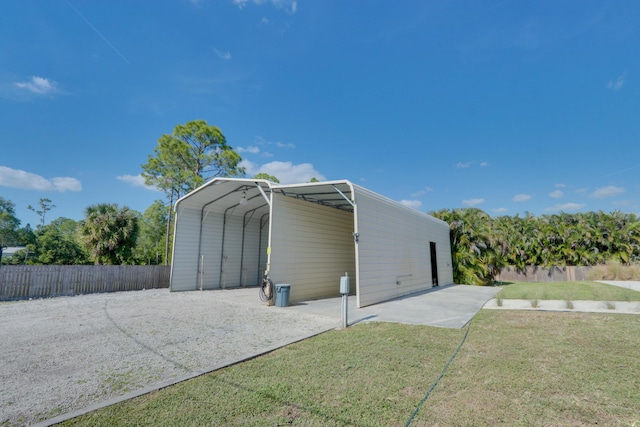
x=282, y=295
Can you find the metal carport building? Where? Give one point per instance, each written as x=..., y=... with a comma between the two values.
x=229, y=232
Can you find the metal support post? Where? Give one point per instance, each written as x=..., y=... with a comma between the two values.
x=344, y=290
x=345, y=304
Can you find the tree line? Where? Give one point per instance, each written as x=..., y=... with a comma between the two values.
x=108, y=234
x=481, y=245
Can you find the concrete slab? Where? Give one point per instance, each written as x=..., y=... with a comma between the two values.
x=634, y=286
x=446, y=306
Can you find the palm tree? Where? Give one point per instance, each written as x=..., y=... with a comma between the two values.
x=109, y=234
x=476, y=252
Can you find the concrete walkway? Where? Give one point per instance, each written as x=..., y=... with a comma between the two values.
x=445, y=306
x=621, y=307
x=634, y=286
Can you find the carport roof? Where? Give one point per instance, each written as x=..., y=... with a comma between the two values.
x=239, y=195
x=336, y=194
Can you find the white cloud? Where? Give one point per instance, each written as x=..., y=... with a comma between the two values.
x=15, y=178
x=473, y=202
x=286, y=172
x=63, y=184
x=283, y=145
x=604, y=192
x=521, y=198
x=565, y=207
x=223, y=55
x=252, y=149
x=618, y=83
x=290, y=6
x=38, y=85
x=136, y=181
x=422, y=192
x=261, y=141
x=250, y=167
x=415, y=204
x=500, y=210
x=465, y=165
x=557, y=194
x=560, y=186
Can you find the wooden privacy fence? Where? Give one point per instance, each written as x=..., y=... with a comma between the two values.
x=19, y=282
x=540, y=274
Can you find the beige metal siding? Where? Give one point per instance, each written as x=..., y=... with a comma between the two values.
x=393, y=249
x=249, y=274
x=312, y=246
x=232, y=251
x=210, y=251
x=184, y=266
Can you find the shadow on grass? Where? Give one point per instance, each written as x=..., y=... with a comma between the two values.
x=500, y=283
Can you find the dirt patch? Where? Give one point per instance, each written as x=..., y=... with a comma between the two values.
x=63, y=354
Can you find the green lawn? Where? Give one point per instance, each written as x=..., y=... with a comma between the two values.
x=575, y=291
x=515, y=368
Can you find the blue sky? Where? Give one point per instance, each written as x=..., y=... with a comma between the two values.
x=507, y=106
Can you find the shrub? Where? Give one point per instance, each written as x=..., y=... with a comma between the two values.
x=614, y=271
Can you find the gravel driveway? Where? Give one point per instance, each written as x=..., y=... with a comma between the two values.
x=63, y=354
